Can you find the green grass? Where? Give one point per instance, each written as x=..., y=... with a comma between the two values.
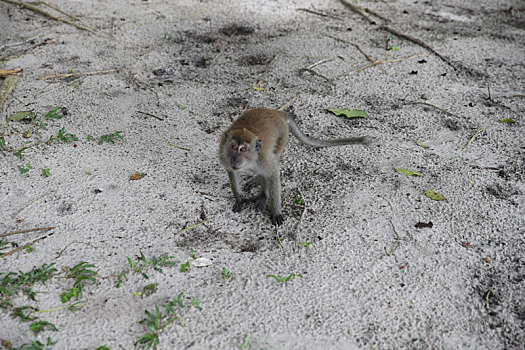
x=142, y=264
x=13, y=282
x=284, y=280
x=82, y=274
x=110, y=138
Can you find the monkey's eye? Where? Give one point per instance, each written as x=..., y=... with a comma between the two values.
x=242, y=149
x=234, y=147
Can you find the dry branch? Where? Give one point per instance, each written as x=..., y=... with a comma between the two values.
x=49, y=15
x=292, y=99
x=11, y=252
x=82, y=74
x=320, y=13
x=25, y=231
x=360, y=11
x=357, y=46
x=375, y=63
x=6, y=72
x=420, y=43
x=435, y=107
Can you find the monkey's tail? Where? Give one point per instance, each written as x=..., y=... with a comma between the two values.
x=323, y=143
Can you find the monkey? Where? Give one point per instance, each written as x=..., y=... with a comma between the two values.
x=255, y=142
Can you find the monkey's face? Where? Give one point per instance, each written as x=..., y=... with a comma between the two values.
x=243, y=156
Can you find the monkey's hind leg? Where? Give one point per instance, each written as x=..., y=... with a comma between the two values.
x=274, y=188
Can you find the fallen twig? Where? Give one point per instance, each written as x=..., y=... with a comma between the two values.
x=49, y=15
x=25, y=231
x=291, y=100
x=435, y=107
x=74, y=242
x=357, y=46
x=7, y=72
x=57, y=9
x=320, y=13
x=27, y=205
x=378, y=62
x=420, y=43
x=189, y=228
x=473, y=137
x=359, y=10
x=169, y=143
x=11, y=252
x=80, y=74
x=313, y=72
x=151, y=115
x=17, y=43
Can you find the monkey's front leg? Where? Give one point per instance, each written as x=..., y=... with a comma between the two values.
x=236, y=189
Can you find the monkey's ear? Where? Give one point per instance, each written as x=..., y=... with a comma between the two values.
x=258, y=145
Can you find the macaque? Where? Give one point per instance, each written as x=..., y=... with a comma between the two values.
x=255, y=142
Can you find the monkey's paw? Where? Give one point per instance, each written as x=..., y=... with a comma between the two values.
x=277, y=219
x=237, y=207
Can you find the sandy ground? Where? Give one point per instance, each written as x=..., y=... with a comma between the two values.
x=377, y=263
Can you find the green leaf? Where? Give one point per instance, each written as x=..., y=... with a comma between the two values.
x=3, y=146
x=349, y=113
x=421, y=144
x=20, y=116
x=508, y=120
x=52, y=114
x=408, y=172
x=434, y=195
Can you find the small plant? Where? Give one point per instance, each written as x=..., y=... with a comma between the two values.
x=24, y=317
x=39, y=326
x=46, y=172
x=110, y=138
x=195, y=302
x=37, y=345
x=306, y=244
x=299, y=200
x=185, y=267
x=63, y=137
x=4, y=242
x=149, y=289
x=156, y=321
x=30, y=249
x=81, y=273
x=19, y=152
x=142, y=264
x=26, y=169
x=102, y=347
x=12, y=282
x=247, y=342
x=284, y=279
x=193, y=254
x=3, y=146
x=226, y=274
